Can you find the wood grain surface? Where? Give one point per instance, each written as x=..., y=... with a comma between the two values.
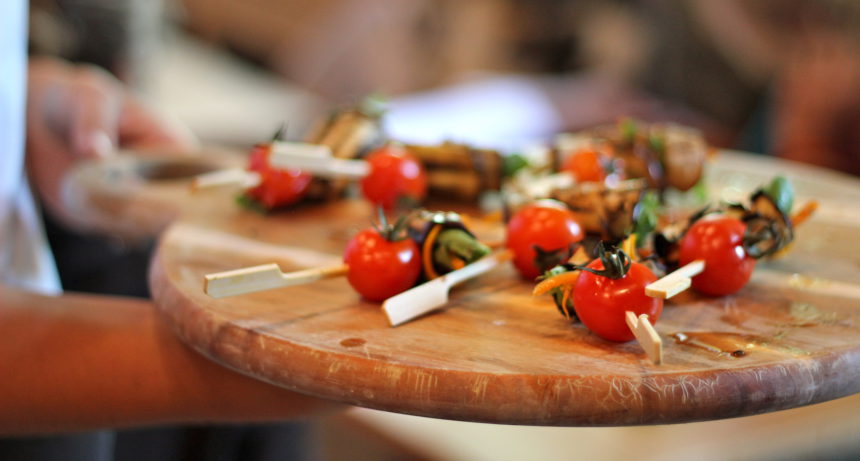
x=496, y=354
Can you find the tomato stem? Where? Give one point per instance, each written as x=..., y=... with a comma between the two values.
x=546, y=259
x=391, y=233
x=616, y=263
x=281, y=134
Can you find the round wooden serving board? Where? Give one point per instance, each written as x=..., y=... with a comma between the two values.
x=497, y=354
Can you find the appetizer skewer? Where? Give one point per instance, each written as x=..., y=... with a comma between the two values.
x=719, y=250
x=388, y=175
x=281, y=173
x=608, y=296
x=379, y=262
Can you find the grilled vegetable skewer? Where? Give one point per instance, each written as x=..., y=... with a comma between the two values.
x=608, y=295
x=446, y=244
x=379, y=262
x=729, y=241
x=390, y=175
x=279, y=174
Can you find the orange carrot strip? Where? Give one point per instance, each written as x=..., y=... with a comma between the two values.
x=427, y=252
x=565, y=297
x=566, y=278
x=457, y=263
x=804, y=213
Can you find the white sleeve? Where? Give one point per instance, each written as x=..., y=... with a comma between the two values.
x=25, y=259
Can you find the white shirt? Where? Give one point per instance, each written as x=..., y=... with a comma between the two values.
x=25, y=259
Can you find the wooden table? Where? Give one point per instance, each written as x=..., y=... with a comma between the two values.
x=497, y=354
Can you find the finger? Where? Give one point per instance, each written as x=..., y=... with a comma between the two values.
x=48, y=162
x=94, y=104
x=142, y=127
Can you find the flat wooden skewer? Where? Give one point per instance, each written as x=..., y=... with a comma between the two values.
x=230, y=177
x=676, y=282
x=431, y=295
x=264, y=277
x=247, y=179
x=646, y=335
x=319, y=165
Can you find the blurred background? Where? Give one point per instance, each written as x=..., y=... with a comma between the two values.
x=771, y=76
x=776, y=77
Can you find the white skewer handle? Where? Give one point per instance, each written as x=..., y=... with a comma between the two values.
x=675, y=282
x=229, y=177
x=646, y=335
x=431, y=295
x=264, y=277
x=477, y=268
x=322, y=166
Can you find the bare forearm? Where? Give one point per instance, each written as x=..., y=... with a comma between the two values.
x=80, y=362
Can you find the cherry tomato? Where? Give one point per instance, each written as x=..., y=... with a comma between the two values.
x=585, y=165
x=547, y=224
x=278, y=187
x=600, y=302
x=394, y=174
x=379, y=268
x=719, y=242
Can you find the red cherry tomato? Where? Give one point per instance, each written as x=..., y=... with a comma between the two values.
x=600, y=302
x=278, y=187
x=394, y=174
x=547, y=224
x=379, y=268
x=719, y=242
x=585, y=165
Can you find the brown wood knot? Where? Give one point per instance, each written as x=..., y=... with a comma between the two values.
x=352, y=342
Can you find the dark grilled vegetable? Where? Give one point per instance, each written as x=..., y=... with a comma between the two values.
x=349, y=133
x=769, y=227
x=445, y=242
x=460, y=171
x=607, y=212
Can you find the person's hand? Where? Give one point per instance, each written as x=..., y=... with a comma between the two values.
x=81, y=112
